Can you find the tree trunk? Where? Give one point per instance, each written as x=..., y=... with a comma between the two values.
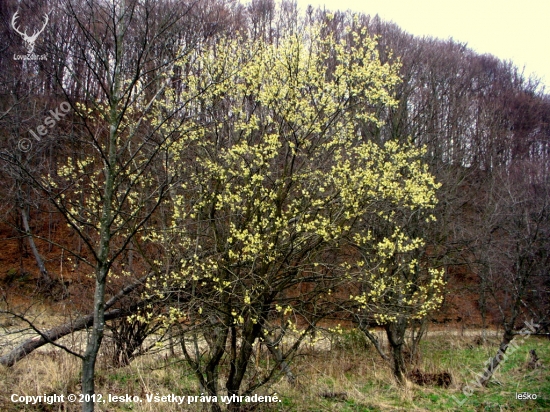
x=278, y=355
x=416, y=337
x=43, y=272
x=239, y=360
x=396, y=337
x=364, y=327
x=495, y=361
x=103, y=255
x=94, y=341
x=399, y=370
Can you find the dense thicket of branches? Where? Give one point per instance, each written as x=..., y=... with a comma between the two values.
x=147, y=87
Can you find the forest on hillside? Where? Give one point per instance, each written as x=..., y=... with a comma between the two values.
x=226, y=184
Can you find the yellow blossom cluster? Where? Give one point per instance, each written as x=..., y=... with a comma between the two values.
x=277, y=174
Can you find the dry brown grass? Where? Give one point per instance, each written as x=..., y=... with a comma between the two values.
x=46, y=372
x=337, y=375
x=53, y=371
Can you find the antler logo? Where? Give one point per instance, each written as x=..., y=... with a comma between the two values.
x=29, y=40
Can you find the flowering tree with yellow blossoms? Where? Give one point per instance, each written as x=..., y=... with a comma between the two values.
x=280, y=185
x=403, y=282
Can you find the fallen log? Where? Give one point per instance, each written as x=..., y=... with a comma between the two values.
x=54, y=334
x=50, y=336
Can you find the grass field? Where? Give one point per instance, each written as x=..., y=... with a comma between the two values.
x=345, y=374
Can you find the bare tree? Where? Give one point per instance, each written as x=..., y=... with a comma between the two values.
x=517, y=248
x=121, y=61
